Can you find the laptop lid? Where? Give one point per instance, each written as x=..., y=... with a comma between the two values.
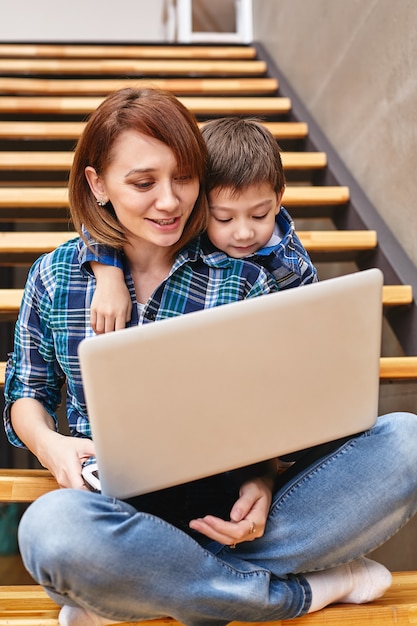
x=210, y=391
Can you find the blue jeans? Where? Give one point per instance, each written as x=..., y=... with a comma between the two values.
x=102, y=554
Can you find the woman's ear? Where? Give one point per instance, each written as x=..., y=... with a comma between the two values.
x=96, y=184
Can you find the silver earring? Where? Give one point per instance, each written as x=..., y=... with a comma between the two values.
x=101, y=202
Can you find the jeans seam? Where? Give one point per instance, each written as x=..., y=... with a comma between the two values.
x=309, y=472
x=225, y=564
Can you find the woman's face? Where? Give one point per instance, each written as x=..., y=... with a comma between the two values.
x=150, y=198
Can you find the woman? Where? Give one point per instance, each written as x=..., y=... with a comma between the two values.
x=239, y=546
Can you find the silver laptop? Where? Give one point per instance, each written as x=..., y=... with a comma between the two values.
x=206, y=392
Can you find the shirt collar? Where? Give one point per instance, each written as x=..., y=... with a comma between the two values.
x=212, y=256
x=188, y=254
x=282, y=236
x=84, y=255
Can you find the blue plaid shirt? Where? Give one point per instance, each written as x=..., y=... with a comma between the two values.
x=55, y=317
x=285, y=256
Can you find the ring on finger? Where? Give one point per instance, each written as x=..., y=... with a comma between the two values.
x=252, y=528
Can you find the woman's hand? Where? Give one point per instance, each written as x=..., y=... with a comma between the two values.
x=247, y=517
x=62, y=455
x=64, y=458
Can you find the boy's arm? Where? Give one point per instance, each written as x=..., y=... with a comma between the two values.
x=111, y=306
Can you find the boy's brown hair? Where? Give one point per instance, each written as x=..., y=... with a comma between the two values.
x=241, y=153
x=154, y=113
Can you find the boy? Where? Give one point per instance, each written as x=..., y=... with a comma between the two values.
x=245, y=184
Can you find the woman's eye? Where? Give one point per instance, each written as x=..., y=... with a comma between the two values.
x=143, y=185
x=183, y=179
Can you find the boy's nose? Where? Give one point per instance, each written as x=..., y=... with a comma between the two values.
x=243, y=232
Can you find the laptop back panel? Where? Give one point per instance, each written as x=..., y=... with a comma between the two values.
x=209, y=391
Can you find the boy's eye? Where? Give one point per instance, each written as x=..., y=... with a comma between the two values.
x=260, y=217
x=223, y=220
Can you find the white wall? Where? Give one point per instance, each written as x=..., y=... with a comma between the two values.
x=95, y=20
x=81, y=20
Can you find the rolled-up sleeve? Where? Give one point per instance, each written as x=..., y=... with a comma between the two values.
x=32, y=370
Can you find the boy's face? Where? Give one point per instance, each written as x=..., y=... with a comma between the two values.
x=240, y=224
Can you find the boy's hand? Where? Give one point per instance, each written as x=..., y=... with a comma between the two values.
x=111, y=306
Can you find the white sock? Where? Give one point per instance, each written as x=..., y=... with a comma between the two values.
x=76, y=616
x=357, y=582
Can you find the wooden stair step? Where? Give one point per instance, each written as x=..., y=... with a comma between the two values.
x=338, y=240
x=33, y=197
x=209, y=105
x=24, y=485
x=29, y=605
x=48, y=160
x=142, y=67
x=391, y=368
x=24, y=130
x=2, y=375
x=72, y=130
x=397, y=295
x=10, y=300
x=100, y=86
x=315, y=196
x=392, y=296
x=400, y=368
x=99, y=51
x=304, y=160
x=30, y=243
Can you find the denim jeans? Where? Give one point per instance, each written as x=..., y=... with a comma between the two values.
x=102, y=554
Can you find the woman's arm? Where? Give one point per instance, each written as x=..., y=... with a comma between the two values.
x=61, y=455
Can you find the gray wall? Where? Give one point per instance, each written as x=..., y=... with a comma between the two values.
x=353, y=63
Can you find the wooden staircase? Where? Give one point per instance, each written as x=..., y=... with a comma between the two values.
x=46, y=91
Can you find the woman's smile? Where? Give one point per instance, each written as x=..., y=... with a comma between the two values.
x=173, y=222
